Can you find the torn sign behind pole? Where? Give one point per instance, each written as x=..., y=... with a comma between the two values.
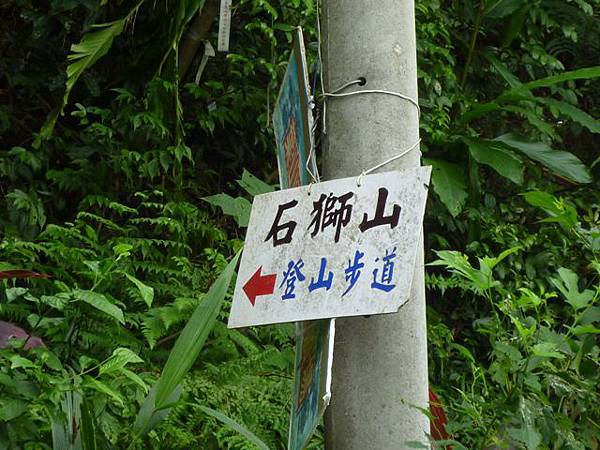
x=334, y=249
x=292, y=124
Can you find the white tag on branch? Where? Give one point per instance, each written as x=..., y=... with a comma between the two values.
x=224, y=26
x=209, y=52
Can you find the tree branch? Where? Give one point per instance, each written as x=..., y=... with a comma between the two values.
x=195, y=34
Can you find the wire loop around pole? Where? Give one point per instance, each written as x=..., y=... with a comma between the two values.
x=387, y=161
x=361, y=81
x=336, y=93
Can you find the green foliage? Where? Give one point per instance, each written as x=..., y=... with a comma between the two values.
x=119, y=201
x=533, y=362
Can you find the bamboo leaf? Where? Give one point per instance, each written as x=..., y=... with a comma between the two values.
x=580, y=74
x=502, y=70
x=90, y=49
x=477, y=111
x=559, y=162
x=534, y=119
x=515, y=24
x=236, y=426
x=502, y=8
x=573, y=113
x=93, y=46
x=192, y=338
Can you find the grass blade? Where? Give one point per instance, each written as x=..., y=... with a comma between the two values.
x=192, y=338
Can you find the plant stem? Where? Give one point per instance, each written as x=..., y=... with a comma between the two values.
x=476, y=28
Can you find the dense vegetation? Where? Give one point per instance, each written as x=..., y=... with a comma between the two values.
x=110, y=147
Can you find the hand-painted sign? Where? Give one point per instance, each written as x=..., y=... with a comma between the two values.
x=331, y=249
x=292, y=123
x=312, y=386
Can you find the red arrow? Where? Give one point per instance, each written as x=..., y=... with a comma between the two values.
x=259, y=285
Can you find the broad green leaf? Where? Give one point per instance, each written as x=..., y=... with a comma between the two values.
x=238, y=207
x=543, y=200
x=567, y=284
x=135, y=378
x=556, y=208
x=585, y=329
x=17, y=361
x=147, y=292
x=119, y=359
x=122, y=249
x=237, y=427
x=449, y=184
x=574, y=113
x=502, y=160
x=11, y=409
x=590, y=315
x=48, y=358
x=253, y=185
x=459, y=264
x=15, y=292
x=510, y=351
x=559, y=162
x=192, y=338
x=99, y=302
x=487, y=263
x=547, y=350
x=527, y=433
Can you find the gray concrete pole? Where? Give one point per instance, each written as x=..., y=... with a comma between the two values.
x=380, y=362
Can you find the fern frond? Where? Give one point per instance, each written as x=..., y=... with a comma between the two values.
x=104, y=221
x=158, y=269
x=161, y=223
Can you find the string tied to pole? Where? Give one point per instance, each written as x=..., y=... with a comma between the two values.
x=387, y=161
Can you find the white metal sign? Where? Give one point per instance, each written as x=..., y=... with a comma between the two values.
x=331, y=249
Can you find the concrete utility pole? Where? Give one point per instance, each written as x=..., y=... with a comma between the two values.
x=380, y=362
